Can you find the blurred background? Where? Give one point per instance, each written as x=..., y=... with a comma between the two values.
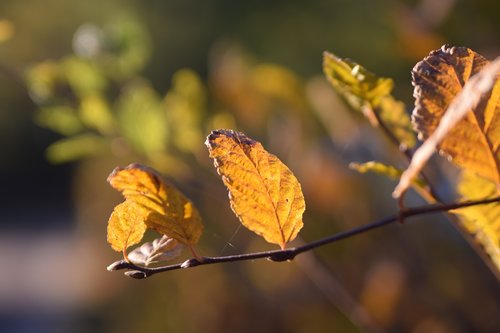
x=87, y=86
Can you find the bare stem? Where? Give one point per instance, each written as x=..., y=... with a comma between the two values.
x=140, y=272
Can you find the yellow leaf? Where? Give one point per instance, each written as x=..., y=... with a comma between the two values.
x=377, y=167
x=185, y=103
x=126, y=226
x=370, y=95
x=264, y=193
x=474, y=142
x=393, y=173
x=483, y=221
x=168, y=211
x=7, y=30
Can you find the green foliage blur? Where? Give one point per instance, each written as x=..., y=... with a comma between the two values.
x=114, y=82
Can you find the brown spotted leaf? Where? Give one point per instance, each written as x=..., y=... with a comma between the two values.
x=474, y=142
x=263, y=192
x=165, y=209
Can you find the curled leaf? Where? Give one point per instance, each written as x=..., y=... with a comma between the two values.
x=126, y=226
x=263, y=192
x=160, y=249
x=457, y=80
x=167, y=210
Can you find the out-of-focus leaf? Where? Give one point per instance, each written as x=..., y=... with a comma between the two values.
x=185, y=103
x=76, y=147
x=474, y=143
x=482, y=221
x=354, y=82
x=377, y=167
x=264, y=193
x=126, y=226
x=83, y=76
x=126, y=45
x=160, y=249
x=279, y=83
x=95, y=113
x=142, y=119
x=391, y=172
x=394, y=115
x=61, y=119
x=168, y=211
x=369, y=94
x=7, y=30
x=462, y=83
x=41, y=80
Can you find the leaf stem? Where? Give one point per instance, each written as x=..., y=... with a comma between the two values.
x=140, y=272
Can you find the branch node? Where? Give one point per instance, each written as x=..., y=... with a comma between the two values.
x=285, y=255
x=193, y=262
x=117, y=265
x=136, y=274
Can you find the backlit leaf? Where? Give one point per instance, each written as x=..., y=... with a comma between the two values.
x=168, y=211
x=483, y=221
x=7, y=30
x=83, y=76
x=377, y=167
x=185, y=105
x=370, y=95
x=467, y=87
x=161, y=249
x=474, y=143
x=391, y=172
x=264, y=193
x=142, y=118
x=75, y=147
x=61, y=119
x=95, y=113
x=126, y=226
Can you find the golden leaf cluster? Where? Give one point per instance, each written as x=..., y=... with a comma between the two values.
x=150, y=202
x=457, y=111
x=263, y=192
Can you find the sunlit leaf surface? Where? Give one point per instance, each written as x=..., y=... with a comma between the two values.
x=264, y=193
x=168, y=211
x=483, y=221
x=126, y=226
x=369, y=94
x=474, y=142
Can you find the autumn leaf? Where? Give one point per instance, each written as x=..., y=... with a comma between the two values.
x=377, y=167
x=370, y=95
x=457, y=80
x=126, y=226
x=392, y=173
x=263, y=192
x=168, y=211
x=474, y=142
x=482, y=221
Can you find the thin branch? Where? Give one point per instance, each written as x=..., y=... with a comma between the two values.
x=432, y=196
x=140, y=272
